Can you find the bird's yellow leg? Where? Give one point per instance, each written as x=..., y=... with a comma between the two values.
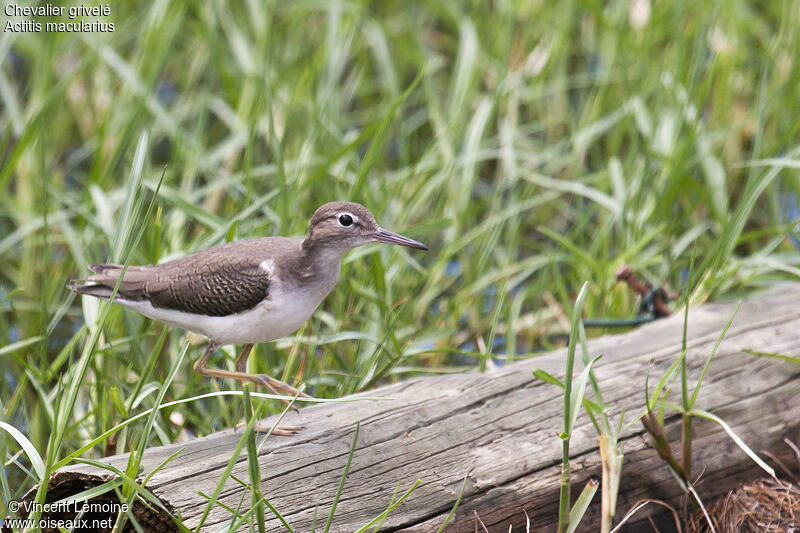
x=275, y=386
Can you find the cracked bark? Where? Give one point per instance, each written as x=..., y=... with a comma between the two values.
x=499, y=429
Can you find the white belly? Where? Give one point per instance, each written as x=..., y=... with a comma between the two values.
x=264, y=322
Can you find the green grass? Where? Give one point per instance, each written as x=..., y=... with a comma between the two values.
x=533, y=146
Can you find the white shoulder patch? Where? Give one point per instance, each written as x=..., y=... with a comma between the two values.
x=268, y=266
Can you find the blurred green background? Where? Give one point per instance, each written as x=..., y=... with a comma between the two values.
x=532, y=145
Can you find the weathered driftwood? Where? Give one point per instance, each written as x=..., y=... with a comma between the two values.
x=499, y=430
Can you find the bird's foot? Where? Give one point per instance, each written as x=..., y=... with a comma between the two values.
x=282, y=431
x=277, y=386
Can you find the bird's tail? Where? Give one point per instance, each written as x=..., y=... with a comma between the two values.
x=100, y=284
x=84, y=287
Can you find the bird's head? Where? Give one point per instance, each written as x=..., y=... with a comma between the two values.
x=346, y=225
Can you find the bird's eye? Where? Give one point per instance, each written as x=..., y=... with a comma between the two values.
x=345, y=220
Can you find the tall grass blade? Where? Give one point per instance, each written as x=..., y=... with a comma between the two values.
x=28, y=447
x=455, y=505
x=696, y=391
x=343, y=480
x=582, y=504
x=739, y=442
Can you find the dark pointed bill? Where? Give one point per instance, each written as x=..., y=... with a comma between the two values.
x=390, y=237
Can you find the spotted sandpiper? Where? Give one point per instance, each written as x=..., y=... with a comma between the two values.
x=249, y=291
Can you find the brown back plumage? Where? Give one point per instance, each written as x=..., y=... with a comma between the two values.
x=219, y=281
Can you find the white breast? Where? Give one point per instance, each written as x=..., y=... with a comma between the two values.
x=265, y=322
x=282, y=313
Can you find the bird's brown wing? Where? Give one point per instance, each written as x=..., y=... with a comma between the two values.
x=220, y=281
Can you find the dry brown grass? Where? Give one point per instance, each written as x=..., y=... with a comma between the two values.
x=762, y=506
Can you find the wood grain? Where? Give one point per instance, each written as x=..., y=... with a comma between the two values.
x=498, y=430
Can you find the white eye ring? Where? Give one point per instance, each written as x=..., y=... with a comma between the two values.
x=345, y=220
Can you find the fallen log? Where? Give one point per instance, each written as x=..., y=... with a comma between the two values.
x=498, y=431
